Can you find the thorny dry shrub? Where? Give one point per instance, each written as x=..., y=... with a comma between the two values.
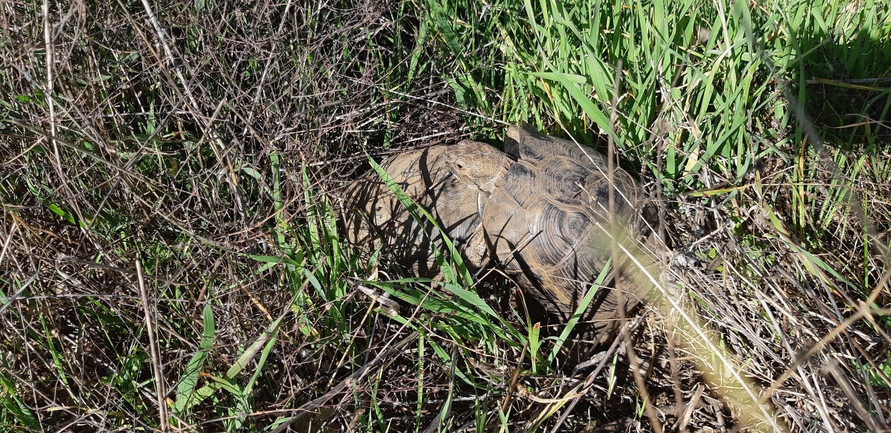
x=184, y=150
x=765, y=289
x=166, y=146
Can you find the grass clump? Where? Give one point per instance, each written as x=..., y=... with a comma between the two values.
x=171, y=258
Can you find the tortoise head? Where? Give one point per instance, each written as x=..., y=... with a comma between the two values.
x=477, y=164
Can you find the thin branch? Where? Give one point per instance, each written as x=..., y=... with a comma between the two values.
x=155, y=352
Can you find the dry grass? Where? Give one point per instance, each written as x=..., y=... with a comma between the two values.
x=170, y=258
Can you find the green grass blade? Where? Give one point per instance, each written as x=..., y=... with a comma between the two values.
x=580, y=311
x=185, y=391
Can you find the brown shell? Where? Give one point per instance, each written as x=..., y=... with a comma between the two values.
x=374, y=214
x=545, y=216
x=548, y=221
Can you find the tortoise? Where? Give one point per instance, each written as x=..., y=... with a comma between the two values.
x=540, y=210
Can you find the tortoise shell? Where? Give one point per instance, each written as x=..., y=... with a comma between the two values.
x=548, y=220
x=450, y=182
x=542, y=210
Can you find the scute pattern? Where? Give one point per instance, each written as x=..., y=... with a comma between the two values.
x=561, y=242
x=541, y=211
x=373, y=215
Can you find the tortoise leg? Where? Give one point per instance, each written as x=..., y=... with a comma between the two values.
x=476, y=251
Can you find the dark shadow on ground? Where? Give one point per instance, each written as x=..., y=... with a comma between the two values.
x=844, y=84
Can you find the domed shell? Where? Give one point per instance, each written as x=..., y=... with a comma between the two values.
x=548, y=220
x=450, y=182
